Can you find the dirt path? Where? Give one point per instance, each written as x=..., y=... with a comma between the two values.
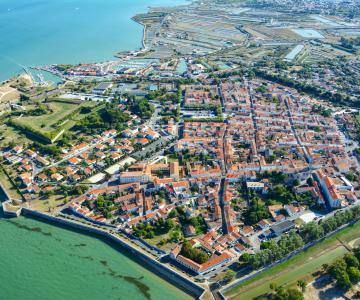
x=323, y=288
x=8, y=93
x=354, y=242
x=3, y=94
x=269, y=279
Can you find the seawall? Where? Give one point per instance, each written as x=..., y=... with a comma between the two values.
x=5, y=192
x=158, y=268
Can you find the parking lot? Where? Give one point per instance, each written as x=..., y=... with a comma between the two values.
x=150, y=149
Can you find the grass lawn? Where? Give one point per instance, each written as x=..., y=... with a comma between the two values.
x=156, y=239
x=298, y=222
x=48, y=204
x=50, y=124
x=350, y=234
x=60, y=110
x=9, y=134
x=292, y=275
x=8, y=93
x=298, y=267
x=11, y=190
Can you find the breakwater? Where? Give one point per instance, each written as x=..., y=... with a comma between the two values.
x=156, y=267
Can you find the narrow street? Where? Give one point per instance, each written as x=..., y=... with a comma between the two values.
x=225, y=228
x=306, y=153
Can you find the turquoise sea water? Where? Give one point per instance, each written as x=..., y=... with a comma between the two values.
x=37, y=32
x=41, y=262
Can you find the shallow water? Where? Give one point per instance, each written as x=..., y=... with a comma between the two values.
x=41, y=261
x=38, y=260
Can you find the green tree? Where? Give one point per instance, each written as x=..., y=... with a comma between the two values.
x=337, y=267
x=193, y=253
x=142, y=108
x=357, y=252
x=169, y=224
x=310, y=181
x=273, y=286
x=175, y=235
x=351, y=260
x=302, y=285
x=329, y=225
x=312, y=231
x=229, y=275
x=172, y=214
x=255, y=212
x=286, y=294
x=354, y=274
x=245, y=257
x=100, y=202
x=343, y=280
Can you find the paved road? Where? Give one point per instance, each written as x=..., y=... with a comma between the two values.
x=225, y=228
x=296, y=135
x=89, y=147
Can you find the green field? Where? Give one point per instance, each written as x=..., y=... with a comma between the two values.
x=11, y=190
x=45, y=122
x=9, y=134
x=298, y=267
x=48, y=127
